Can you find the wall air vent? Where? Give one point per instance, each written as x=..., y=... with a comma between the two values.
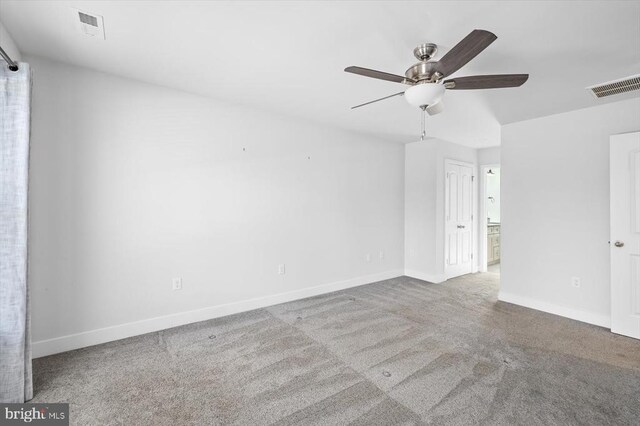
x=88, y=24
x=623, y=85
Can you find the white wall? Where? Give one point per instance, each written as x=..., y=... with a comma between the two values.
x=9, y=46
x=555, y=209
x=489, y=156
x=133, y=184
x=424, y=205
x=420, y=210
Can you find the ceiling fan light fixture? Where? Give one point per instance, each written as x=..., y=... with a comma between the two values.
x=424, y=94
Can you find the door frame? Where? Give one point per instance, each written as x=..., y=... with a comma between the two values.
x=474, y=211
x=482, y=229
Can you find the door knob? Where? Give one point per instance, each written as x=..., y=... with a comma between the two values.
x=460, y=226
x=618, y=244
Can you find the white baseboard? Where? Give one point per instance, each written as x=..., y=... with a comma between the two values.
x=440, y=278
x=563, y=311
x=122, y=331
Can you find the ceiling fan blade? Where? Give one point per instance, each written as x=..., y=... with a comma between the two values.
x=379, y=75
x=463, y=52
x=486, y=81
x=436, y=108
x=381, y=99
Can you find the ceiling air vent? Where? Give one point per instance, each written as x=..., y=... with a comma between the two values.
x=623, y=85
x=88, y=24
x=88, y=19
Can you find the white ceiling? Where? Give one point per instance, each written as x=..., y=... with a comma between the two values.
x=289, y=57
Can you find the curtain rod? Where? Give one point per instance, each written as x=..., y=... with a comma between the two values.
x=12, y=65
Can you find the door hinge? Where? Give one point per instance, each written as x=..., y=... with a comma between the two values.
x=472, y=255
x=473, y=178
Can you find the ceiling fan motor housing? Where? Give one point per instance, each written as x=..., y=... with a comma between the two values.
x=423, y=70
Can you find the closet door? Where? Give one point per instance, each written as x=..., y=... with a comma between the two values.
x=625, y=234
x=458, y=219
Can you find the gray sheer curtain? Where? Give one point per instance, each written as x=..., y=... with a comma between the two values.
x=15, y=339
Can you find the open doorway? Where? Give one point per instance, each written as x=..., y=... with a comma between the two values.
x=490, y=219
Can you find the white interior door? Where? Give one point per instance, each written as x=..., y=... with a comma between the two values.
x=458, y=219
x=625, y=234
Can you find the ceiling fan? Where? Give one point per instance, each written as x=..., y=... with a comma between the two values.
x=425, y=79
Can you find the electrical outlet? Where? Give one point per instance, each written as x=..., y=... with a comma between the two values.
x=281, y=269
x=381, y=254
x=176, y=284
x=367, y=257
x=576, y=282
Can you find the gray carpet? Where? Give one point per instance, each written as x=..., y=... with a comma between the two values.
x=401, y=351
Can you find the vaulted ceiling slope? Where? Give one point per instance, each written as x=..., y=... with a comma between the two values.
x=288, y=57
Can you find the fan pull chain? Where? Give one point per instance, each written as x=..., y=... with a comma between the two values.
x=424, y=131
